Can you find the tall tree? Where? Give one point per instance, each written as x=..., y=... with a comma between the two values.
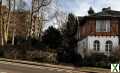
x=4, y=25
x=69, y=40
x=37, y=5
x=52, y=38
x=69, y=31
x=14, y=24
x=1, y=20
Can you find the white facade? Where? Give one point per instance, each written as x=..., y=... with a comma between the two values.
x=86, y=45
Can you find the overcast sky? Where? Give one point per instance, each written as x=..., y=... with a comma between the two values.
x=80, y=7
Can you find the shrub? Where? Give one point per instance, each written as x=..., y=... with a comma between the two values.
x=1, y=52
x=99, y=60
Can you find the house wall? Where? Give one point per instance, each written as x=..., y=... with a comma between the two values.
x=85, y=46
x=89, y=28
x=102, y=40
x=82, y=46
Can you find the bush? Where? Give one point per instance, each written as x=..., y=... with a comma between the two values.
x=1, y=52
x=99, y=60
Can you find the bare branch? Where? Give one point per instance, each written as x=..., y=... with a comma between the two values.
x=43, y=3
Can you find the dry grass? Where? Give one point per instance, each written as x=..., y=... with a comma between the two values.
x=94, y=70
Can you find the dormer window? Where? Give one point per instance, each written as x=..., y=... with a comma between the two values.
x=102, y=25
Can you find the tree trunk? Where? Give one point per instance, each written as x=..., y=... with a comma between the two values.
x=6, y=27
x=1, y=23
x=14, y=24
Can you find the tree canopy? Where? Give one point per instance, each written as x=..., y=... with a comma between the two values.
x=52, y=37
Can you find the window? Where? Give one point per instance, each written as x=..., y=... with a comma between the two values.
x=108, y=46
x=103, y=26
x=96, y=45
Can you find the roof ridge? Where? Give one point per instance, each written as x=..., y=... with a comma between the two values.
x=107, y=13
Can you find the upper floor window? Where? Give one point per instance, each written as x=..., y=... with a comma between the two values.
x=102, y=25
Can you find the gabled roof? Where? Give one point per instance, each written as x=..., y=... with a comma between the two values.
x=111, y=13
x=106, y=13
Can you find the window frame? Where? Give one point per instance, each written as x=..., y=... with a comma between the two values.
x=103, y=26
x=96, y=45
x=108, y=46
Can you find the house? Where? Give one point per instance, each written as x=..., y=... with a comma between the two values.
x=98, y=32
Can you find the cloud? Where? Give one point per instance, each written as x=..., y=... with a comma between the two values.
x=28, y=2
x=80, y=7
x=74, y=6
x=27, y=6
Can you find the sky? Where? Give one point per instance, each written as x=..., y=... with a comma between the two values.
x=80, y=7
x=77, y=7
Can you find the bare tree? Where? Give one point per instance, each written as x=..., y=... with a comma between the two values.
x=37, y=5
x=4, y=25
x=53, y=15
x=1, y=16
x=14, y=24
x=5, y=22
x=40, y=4
x=8, y=22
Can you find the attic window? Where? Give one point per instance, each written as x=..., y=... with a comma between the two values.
x=102, y=25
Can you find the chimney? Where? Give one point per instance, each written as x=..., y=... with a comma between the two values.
x=106, y=9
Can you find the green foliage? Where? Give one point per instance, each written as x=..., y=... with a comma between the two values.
x=68, y=53
x=1, y=52
x=52, y=38
x=69, y=32
x=99, y=60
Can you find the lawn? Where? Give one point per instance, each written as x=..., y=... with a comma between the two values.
x=94, y=70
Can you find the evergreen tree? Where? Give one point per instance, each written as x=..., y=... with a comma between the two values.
x=52, y=37
x=68, y=53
